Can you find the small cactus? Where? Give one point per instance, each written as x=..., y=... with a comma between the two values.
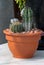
x=16, y=27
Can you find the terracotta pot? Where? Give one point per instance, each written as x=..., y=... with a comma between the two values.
x=22, y=45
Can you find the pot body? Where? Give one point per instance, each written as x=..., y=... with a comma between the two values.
x=22, y=45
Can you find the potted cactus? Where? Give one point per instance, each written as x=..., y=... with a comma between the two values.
x=23, y=37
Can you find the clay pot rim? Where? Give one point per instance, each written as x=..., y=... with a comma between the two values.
x=8, y=32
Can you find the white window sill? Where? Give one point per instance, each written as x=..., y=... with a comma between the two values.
x=7, y=59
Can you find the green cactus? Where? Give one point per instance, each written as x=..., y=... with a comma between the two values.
x=16, y=27
x=27, y=16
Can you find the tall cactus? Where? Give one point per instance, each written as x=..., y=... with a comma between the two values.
x=27, y=16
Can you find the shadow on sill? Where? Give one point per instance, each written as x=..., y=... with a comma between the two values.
x=41, y=44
